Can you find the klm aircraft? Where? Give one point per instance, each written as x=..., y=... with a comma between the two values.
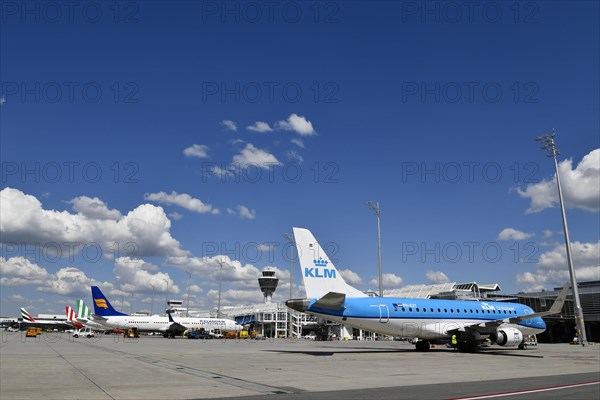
x=429, y=321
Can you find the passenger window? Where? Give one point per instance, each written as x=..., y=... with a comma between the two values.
x=403, y=309
x=452, y=310
x=431, y=309
x=458, y=310
x=417, y=309
x=477, y=311
x=410, y=309
x=439, y=310
x=445, y=310
x=465, y=310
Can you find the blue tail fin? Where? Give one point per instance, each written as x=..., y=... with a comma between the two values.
x=171, y=320
x=102, y=306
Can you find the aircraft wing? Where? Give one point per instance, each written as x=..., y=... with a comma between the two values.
x=556, y=307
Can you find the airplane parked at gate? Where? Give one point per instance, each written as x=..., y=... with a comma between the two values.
x=105, y=314
x=28, y=321
x=429, y=321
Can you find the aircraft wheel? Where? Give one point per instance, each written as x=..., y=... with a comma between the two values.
x=422, y=345
x=466, y=347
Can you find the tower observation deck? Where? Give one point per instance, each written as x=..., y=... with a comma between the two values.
x=268, y=283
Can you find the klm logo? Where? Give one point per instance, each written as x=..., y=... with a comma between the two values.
x=320, y=262
x=320, y=270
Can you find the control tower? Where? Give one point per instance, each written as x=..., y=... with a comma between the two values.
x=268, y=283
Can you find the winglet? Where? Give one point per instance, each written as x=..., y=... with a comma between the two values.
x=554, y=309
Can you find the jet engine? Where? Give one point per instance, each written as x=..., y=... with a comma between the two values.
x=508, y=337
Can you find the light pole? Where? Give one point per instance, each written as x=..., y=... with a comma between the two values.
x=219, y=300
x=167, y=294
x=550, y=147
x=289, y=238
x=375, y=207
x=188, y=294
x=292, y=244
x=152, y=300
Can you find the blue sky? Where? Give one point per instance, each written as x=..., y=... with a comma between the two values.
x=429, y=108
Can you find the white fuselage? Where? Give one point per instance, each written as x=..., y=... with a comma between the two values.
x=156, y=323
x=417, y=328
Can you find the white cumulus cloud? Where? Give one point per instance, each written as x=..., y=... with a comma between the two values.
x=436, y=277
x=18, y=271
x=135, y=276
x=553, y=271
x=260, y=126
x=514, y=234
x=229, y=125
x=196, y=150
x=252, y=156
x=146, y=228
x=182, y=200
x=298, y=124
x=94, y=208
x=351, y=277
x=580, y=185
x=389, y=281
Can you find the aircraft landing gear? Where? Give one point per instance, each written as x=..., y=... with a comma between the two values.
x=422, y=345
x=466, y=347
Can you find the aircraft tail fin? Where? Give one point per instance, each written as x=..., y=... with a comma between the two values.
x=71, y=316
x=102, y=306
x=26, y=316
x=82, y=310
x=319, y=275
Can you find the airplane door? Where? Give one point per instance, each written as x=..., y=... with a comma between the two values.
x=528, y=321
x=384, y=313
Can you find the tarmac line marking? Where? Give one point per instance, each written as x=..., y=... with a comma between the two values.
x=526, y=391
x=80, y=371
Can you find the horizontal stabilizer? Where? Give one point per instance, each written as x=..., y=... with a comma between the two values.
x=331, y=301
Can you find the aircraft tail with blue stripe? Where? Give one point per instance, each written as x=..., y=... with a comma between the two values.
x=102, y=306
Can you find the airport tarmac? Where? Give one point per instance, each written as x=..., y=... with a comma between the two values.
x=56, y=366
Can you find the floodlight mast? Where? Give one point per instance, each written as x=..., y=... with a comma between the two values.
x=220, y=285
x=375, y=207
x=550, y=147
x=290, y=239
x=187, y=309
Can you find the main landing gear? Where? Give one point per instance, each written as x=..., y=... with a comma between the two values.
x=422, y=345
